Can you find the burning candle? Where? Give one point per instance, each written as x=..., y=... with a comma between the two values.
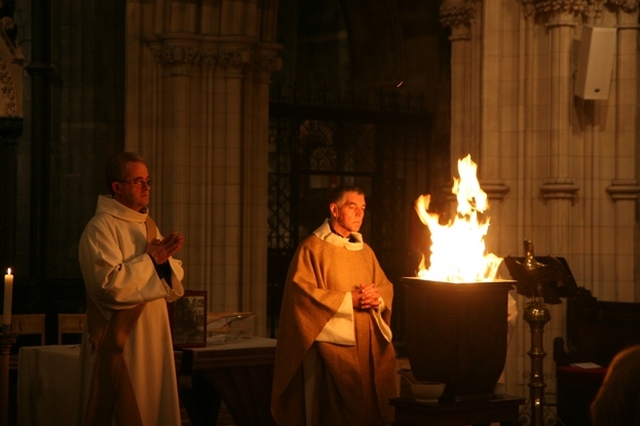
x=8, y=295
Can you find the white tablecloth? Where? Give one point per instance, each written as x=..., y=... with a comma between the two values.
x=48, y=385
x=48, y=380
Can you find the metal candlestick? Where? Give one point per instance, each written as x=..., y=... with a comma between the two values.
x=537, y=315
x=541, y=282
x=6, y=341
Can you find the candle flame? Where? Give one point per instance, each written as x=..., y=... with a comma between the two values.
x=8, y=271
x=457, y=248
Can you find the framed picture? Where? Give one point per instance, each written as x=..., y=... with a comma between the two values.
x=188, y=316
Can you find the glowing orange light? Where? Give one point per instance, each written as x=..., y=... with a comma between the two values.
x=458, y=248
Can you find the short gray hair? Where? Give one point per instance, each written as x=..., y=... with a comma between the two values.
x=116, y=169
x=337, y=193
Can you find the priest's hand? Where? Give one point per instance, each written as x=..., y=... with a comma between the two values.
x=366, y=297
x=161, y=250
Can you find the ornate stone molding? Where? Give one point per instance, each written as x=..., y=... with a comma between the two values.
x=233, y=58
x=11, y=61
x=554, y=7
x=455, y=13
x=623, y=189
x=8, y=97
x=268, y=63
x=559, y=189
x=628, y=6
x=495, y=189
x=560, y=6
x=207, y=52
x=183, y=49
x=187, y=55
x=595, y=9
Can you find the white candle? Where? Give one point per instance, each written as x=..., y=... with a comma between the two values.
x=8, y=295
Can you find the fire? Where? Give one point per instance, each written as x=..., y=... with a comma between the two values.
x=457, y=248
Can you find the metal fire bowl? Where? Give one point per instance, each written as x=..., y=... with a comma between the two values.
x=457, y=334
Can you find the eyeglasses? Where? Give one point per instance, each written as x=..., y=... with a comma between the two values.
x=139, y=183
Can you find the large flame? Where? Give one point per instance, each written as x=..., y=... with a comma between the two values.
x=457, y=248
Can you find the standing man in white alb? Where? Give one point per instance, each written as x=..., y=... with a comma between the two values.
x=128, y=372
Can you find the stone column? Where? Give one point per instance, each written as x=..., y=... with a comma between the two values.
x=458, y=15
x=559, y=188
x=624, y=188
x=255, y=191
x=11, y=125
x=198, y=113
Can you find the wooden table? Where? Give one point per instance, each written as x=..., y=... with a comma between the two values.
x=240, y=373
x=504, y=410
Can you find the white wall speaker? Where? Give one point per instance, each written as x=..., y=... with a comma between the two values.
x=595, y=62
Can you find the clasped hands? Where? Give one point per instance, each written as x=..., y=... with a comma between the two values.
x=161, y=250
x=366, y=297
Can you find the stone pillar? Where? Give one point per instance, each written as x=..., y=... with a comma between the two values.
x=11, y=125
x=624, y=188
x=559, y=188
x=458, y=15
x=198, y=113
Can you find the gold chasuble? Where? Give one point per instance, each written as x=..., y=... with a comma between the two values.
x=334, y=365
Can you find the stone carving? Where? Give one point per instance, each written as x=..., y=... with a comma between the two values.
x=454, y=13
x=209, y=58
x=176, y=54
x=266, y=63
x=558, y=6
x=587, y=8
x=8, y=106
x=188, y=54
x=11, y=60
x=595, y=9
x=627, y=6
x=233, y=59
x=550, y=7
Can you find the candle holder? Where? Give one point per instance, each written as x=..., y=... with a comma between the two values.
x=541, y=282
x=7, y=339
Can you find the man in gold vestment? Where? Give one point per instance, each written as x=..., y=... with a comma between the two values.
x=335, y=363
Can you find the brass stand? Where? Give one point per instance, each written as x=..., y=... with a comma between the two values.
x=6, y=341
x=537, y=315
x=543, y=283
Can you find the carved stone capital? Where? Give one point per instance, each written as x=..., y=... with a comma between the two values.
x=176, y=54
x=595, y=9
x=230, y=53
x=627, y=6
x=9, y=98
x=454, y=13
x=555, y=8
x=209, y=58
x=266, y=63
x=233, y=58
x=11, y=61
